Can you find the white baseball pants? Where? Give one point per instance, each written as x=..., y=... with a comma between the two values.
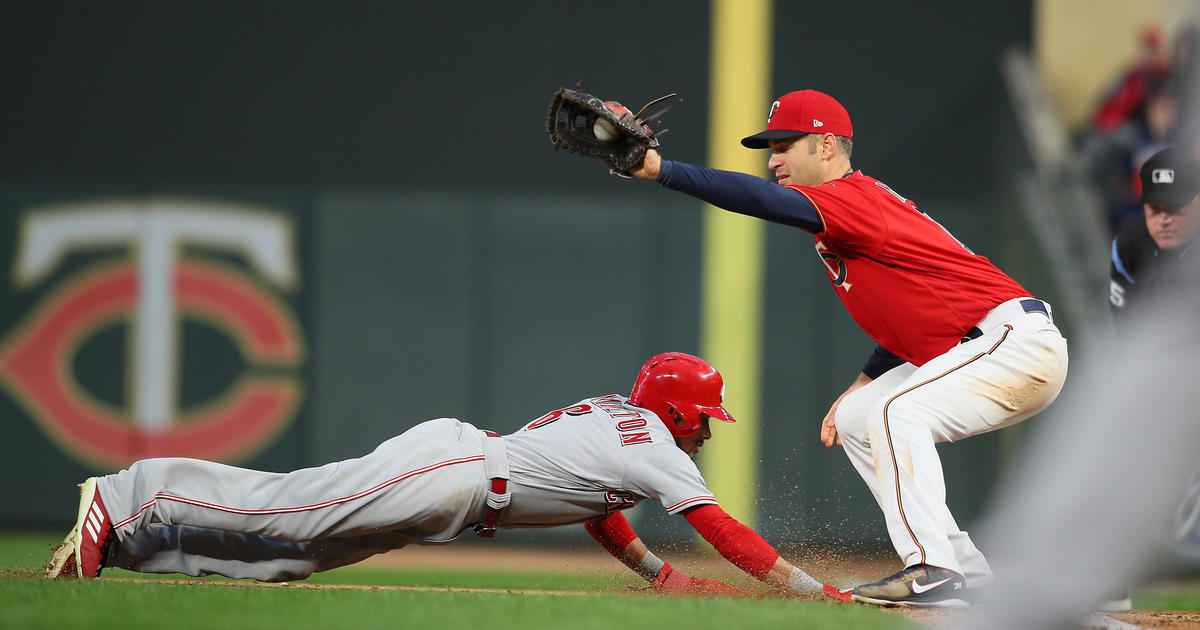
x=197, y=517
x=890, y=426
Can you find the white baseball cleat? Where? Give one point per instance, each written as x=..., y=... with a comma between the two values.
x=81, y=554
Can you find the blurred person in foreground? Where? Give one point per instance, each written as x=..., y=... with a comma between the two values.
x=1073, y=525
x=1145, y=256
x=583, y=463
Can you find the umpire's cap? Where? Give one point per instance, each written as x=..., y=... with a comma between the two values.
x=801, y=112
x=1170, y=176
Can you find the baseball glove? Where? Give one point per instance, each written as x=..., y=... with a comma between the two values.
x=585, y=125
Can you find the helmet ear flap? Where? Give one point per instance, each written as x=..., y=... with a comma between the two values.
x=676, y=417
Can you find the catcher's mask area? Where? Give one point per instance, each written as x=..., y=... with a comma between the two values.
x=679, y=388
x=572, y=123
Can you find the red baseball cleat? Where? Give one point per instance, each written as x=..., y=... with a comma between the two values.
x=81, y=554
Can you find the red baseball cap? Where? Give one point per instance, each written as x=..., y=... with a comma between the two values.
x=801, y=112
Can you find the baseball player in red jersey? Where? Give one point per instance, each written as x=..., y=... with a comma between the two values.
x=583, y=463
x=963, y=349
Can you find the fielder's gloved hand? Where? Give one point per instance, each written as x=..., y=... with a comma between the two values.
x=585, y=125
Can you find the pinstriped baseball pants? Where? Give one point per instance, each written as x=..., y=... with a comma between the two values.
x=889, y=429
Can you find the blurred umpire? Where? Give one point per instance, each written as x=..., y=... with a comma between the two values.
x=1145, y=252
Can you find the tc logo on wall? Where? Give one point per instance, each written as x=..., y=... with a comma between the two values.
x=155, y=281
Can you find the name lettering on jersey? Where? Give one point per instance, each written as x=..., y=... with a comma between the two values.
x=630, y=425
x=629, y=439
x=834, y=265
x=573, y=410
x=628, y=422
x=619, y=500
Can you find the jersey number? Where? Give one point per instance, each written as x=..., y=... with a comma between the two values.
x=573, y=410
x=1116, y=294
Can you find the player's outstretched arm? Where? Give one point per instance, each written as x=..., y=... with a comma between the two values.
x=614, y=534
x=749, y=552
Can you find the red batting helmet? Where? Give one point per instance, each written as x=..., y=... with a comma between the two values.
x=678, y=388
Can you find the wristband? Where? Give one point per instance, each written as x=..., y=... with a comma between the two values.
x=650, y=567
x=802, y=583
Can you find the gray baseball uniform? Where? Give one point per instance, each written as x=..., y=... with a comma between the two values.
x=425, y=486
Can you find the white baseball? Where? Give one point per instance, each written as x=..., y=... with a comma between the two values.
x=605, y=131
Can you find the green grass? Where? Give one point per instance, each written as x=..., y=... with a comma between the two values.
x=601, y=601
x=29, y=603
x=26, y=550
x=458, y=578
x=596, y=601
x=1168, y=598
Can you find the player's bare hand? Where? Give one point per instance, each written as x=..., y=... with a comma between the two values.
x=829, y=432
x=651, y=166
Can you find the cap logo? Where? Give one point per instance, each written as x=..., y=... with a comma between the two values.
x=1163, y=176
x=774, y=108
x=817, y=123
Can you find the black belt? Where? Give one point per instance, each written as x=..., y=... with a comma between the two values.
x=1030, y=306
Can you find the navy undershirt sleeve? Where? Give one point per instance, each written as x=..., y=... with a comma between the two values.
x=742, y=193
x=881, y=361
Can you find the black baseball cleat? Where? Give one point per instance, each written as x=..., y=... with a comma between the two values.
x=918, y=585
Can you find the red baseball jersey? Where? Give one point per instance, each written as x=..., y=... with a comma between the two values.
x=908, y=282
